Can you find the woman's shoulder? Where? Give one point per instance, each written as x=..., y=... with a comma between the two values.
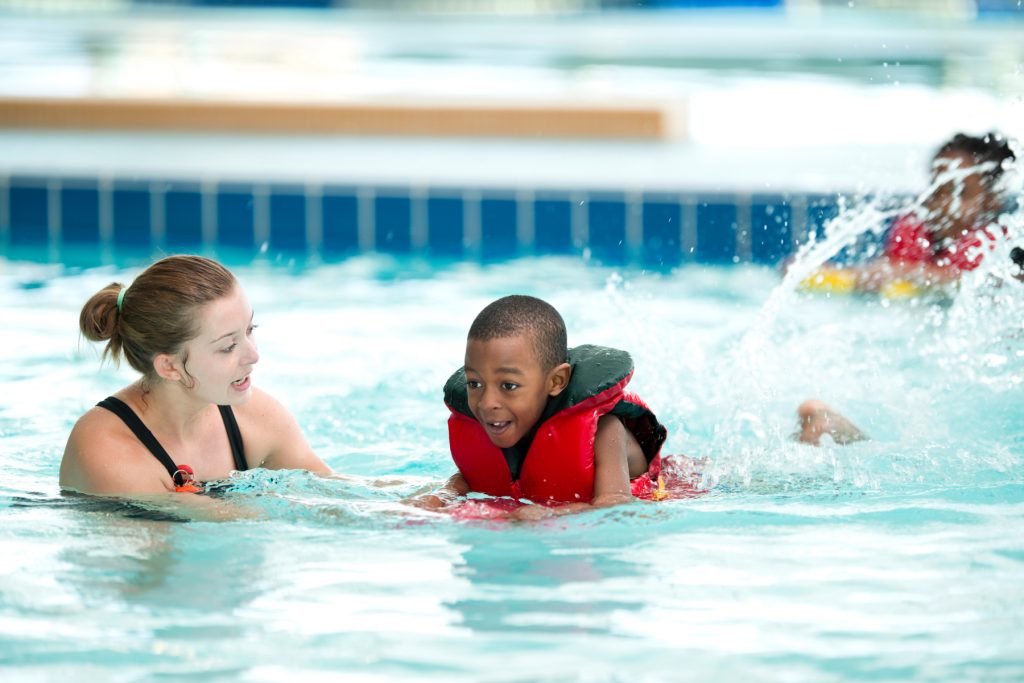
x=103, y=425
x=102, y=455
x=98, y=424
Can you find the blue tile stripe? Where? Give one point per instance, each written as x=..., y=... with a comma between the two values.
x=80, y=213
x=662, y=232
x=183, y=216
x=771, y=229
x=552, y=226
x=393, y=223
x=132, y=216
x=5, y=214
x=656, y=230
x=236, y=218
x=606, y=225
x=717, y=222
x=446, y=219
x=499, y=219
x=28, y=210
x=288, y=219
x=339, y=219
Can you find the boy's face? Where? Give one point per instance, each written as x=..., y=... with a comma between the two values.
x=507, y=387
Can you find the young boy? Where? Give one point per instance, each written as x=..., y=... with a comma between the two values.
x=533, y=419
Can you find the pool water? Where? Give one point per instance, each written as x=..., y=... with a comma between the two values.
x=897, y=558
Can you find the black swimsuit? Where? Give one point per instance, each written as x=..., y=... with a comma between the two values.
x=123, y=411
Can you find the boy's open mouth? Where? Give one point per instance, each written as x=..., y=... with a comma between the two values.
x=498, y=427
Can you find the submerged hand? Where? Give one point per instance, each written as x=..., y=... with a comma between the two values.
x=428, y=501
x=531, y=513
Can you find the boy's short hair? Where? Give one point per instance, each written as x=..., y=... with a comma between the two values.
x=518, y=314
x=989, y=147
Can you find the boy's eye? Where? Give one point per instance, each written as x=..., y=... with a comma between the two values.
x=509, y=386
x=473, y=384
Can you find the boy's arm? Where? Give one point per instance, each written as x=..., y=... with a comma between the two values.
x=614, y=448
x=455, y=487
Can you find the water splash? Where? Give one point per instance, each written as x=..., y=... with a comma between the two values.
x=984, y=327
x=901, y=368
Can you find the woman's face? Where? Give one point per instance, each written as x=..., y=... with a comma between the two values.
x=220, y=359
x=962, y=198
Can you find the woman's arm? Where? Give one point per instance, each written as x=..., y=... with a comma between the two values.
x=273, y=439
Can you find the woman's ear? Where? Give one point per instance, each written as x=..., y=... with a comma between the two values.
x=558, y=379
x=166, y=367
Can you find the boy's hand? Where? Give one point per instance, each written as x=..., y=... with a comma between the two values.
x=427, y=501
x=534, y=513
x=531, y=513
x=453, y=489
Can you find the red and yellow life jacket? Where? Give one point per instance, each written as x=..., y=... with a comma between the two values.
x=559, y=464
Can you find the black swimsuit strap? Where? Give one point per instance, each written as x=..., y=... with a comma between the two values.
x=128, y=416
x=141, y=431
x=234, y=438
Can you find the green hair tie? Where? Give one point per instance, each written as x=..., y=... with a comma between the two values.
x=120, y=298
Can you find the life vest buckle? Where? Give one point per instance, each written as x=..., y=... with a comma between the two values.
x=185, y=479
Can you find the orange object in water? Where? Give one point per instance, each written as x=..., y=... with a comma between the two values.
x=660, y=493
x=185, y=480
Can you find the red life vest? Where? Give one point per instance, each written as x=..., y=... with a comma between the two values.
x=559, y=464
x=911, y=242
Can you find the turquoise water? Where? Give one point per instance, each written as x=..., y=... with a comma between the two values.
x=894, y=559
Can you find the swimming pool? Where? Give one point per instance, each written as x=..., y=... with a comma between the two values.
x=898, y=558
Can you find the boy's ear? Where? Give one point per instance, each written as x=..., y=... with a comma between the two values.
x=558, y=379
x=166, y=367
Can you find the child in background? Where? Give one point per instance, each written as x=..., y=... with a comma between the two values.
x=948, y=236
